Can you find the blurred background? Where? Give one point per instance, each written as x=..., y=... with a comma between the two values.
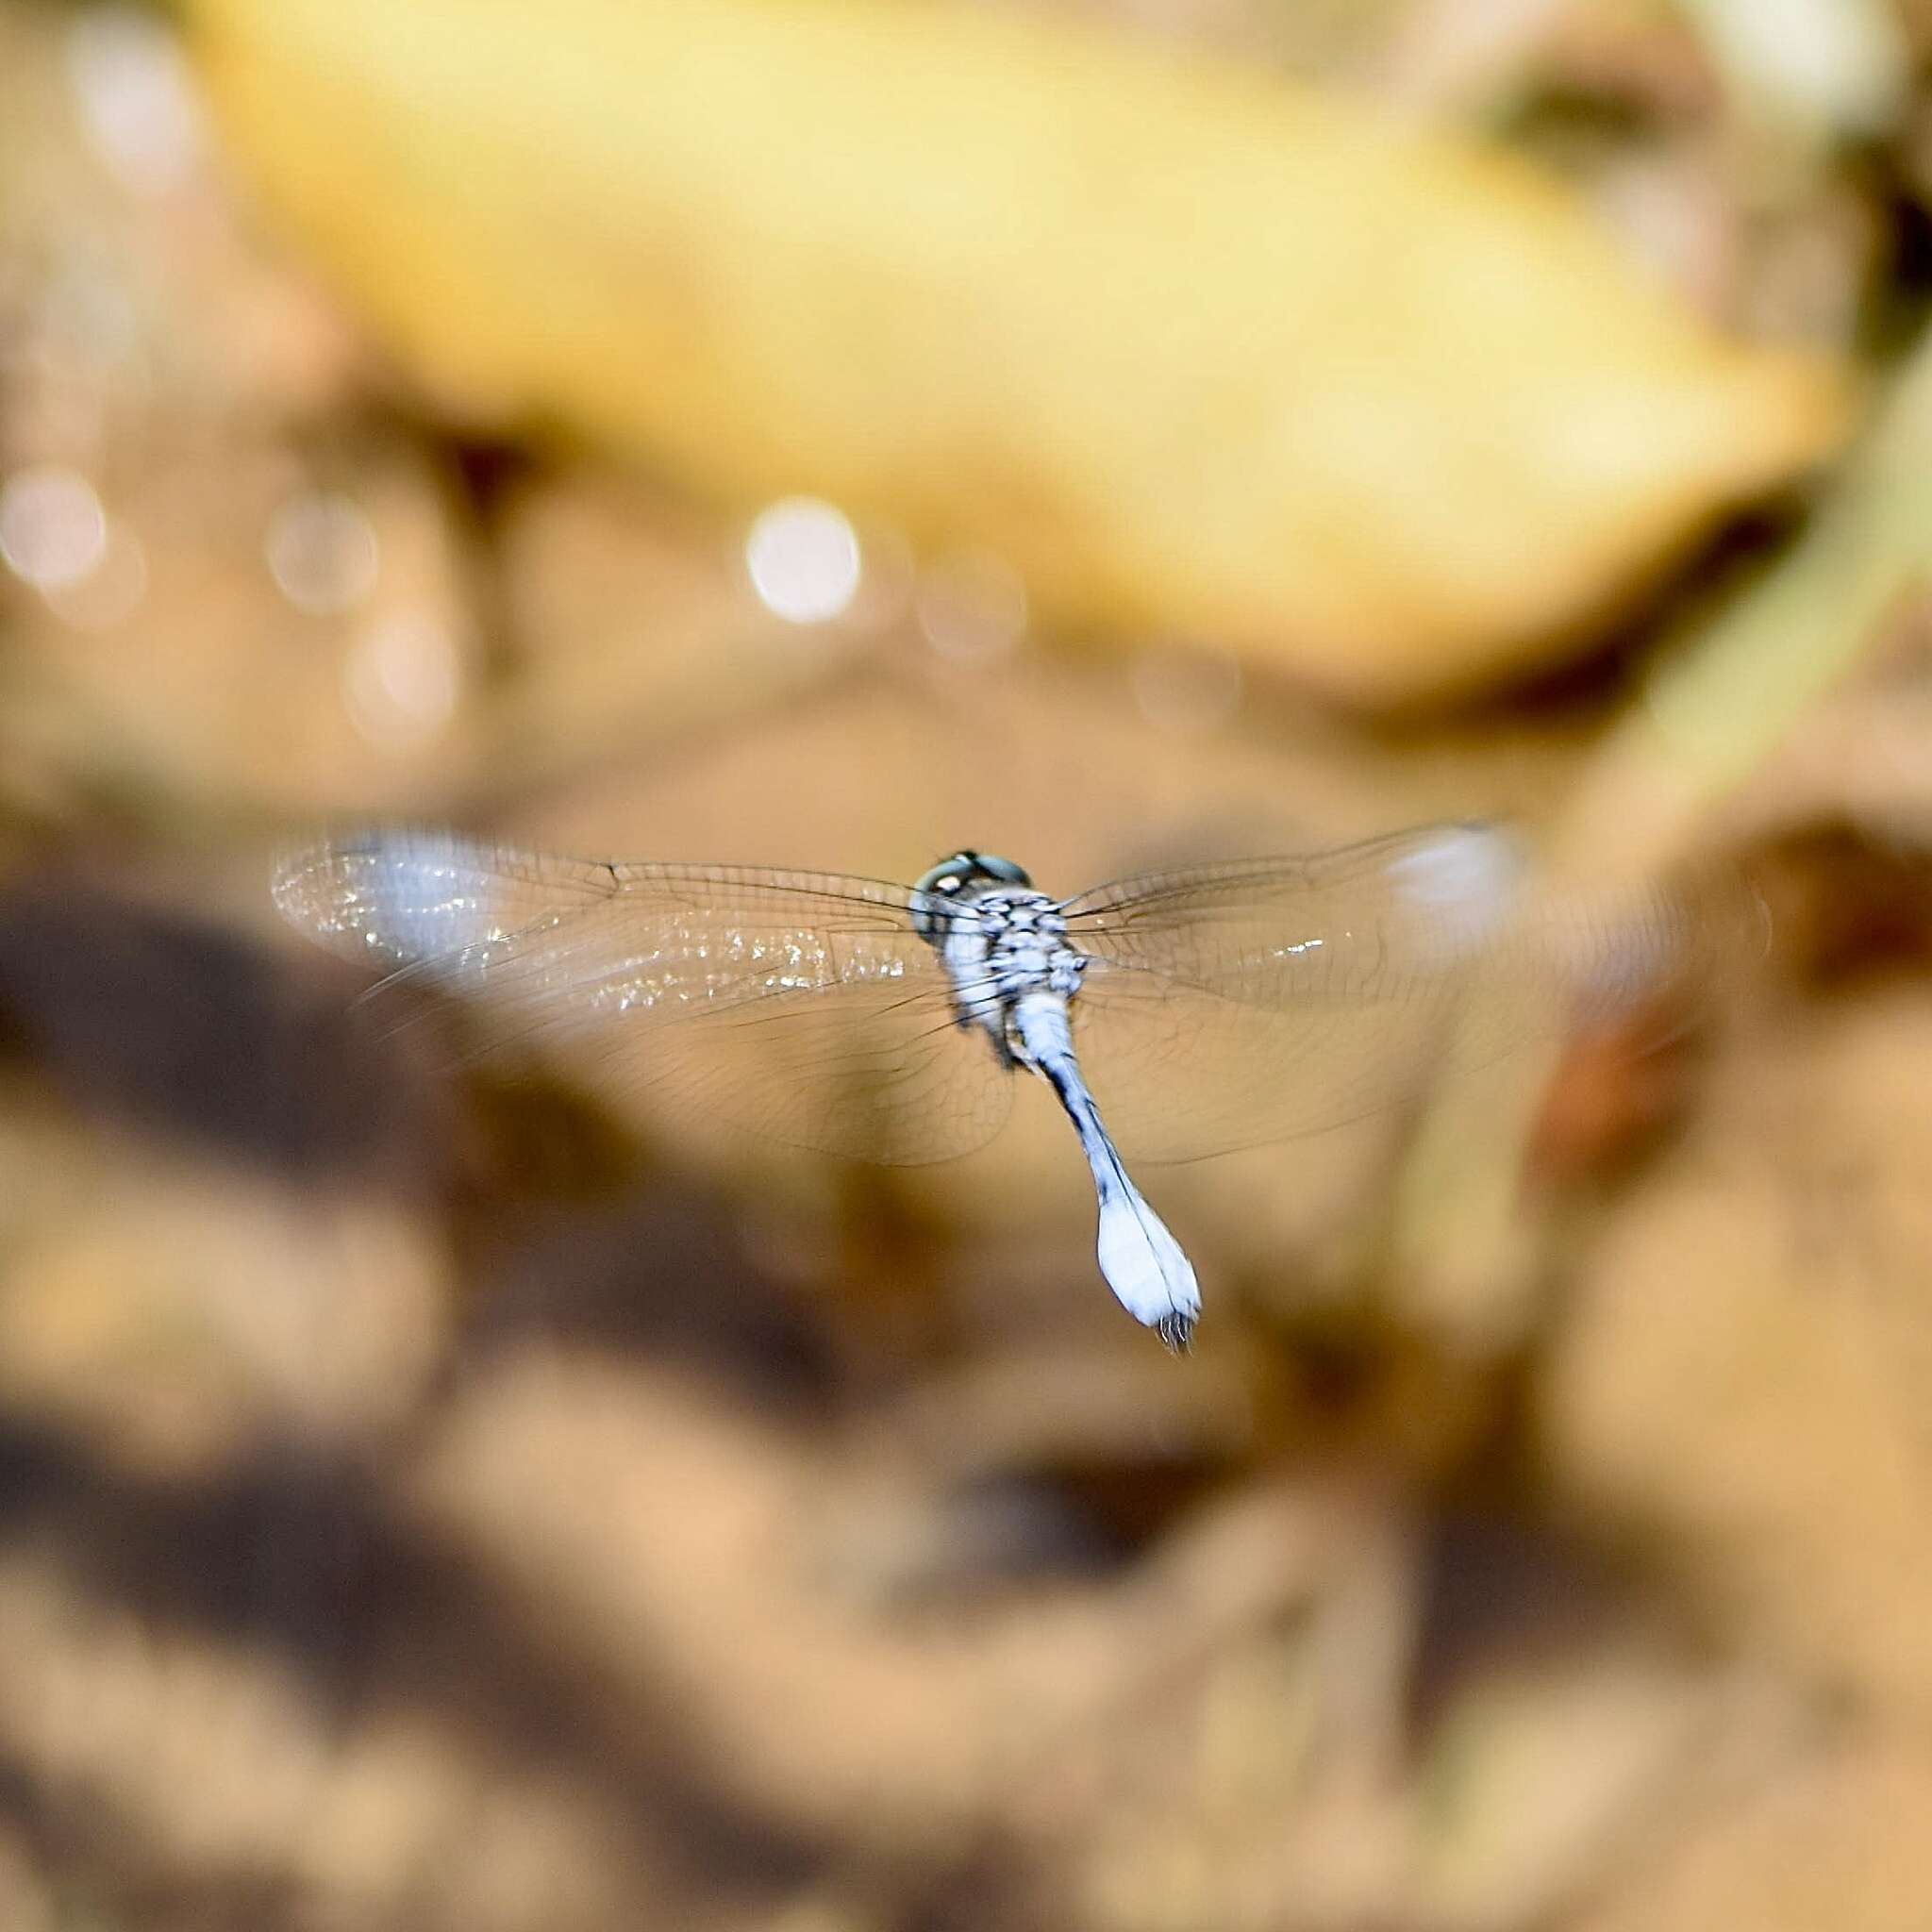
x=828, y=432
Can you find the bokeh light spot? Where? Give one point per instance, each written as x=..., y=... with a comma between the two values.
x=400, y=680
x=323, y=553
x=136, y=101
x=803, y=559
x=972, y=606
x=53, y=530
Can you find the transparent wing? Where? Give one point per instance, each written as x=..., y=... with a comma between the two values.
x=801, y=1006
x=1373, y=922
x=869, y=1071
x=1244, y=1003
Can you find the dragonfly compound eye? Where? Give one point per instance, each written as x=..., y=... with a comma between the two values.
x=950, y=877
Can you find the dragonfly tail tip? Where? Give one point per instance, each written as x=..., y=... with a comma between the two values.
x=1178, y=1331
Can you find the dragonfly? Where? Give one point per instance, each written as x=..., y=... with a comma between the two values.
x=1173, y=1015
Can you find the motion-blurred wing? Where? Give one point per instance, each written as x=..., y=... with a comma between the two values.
x=1371, y=921
x=1240, y=1004
x=801, y=1006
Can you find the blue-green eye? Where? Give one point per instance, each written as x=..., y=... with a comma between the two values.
x=950, y=877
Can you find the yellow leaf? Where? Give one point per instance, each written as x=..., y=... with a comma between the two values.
x=1195, y=350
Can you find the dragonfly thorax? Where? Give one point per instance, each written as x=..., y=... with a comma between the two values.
x=1002, y=944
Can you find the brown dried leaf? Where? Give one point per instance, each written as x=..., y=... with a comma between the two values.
x=1198, y=353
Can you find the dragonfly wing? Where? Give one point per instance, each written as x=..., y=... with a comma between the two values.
x=802, y=1005
x=1374, y=922
x=871, y=1071
x=1180, y=1073
x=1250, y=1002
x=479, y=918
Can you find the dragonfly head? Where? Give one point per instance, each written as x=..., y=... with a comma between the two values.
x=961, y=876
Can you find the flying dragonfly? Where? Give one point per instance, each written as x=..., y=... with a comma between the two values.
x=1173, y=1015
